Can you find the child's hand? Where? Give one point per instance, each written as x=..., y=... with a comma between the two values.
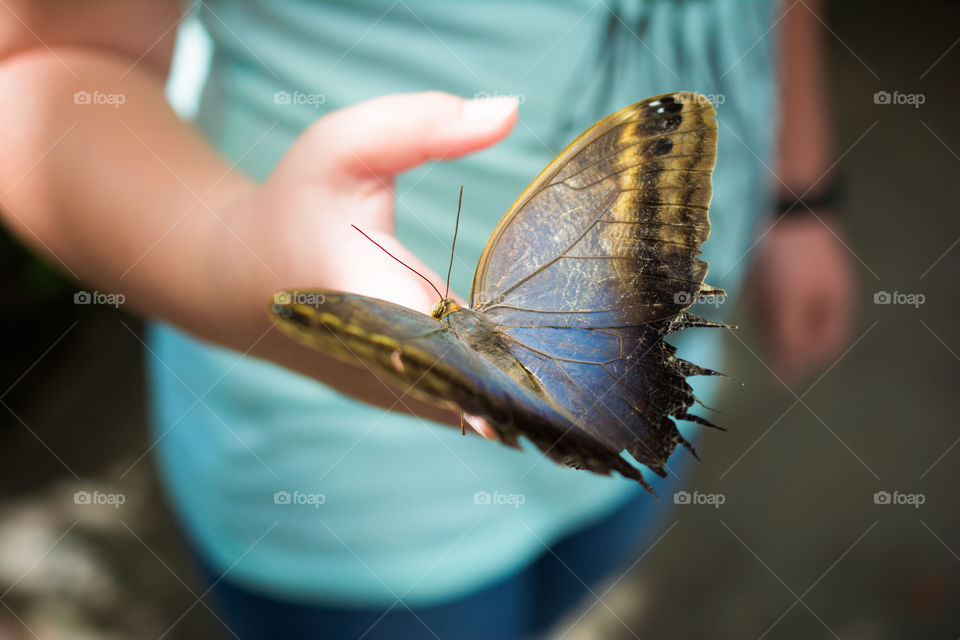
x=136, y=201
x=341, y=172
x=802, y=290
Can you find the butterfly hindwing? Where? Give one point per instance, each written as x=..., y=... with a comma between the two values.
x=441, y=362
x=414, y=352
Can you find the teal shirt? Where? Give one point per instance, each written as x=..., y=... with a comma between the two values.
x=383, y=505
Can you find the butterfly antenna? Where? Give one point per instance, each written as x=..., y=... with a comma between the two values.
x=456, y=228
x=427, y=280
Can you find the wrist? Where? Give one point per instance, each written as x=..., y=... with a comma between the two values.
x=237, y=265
x=821, y=196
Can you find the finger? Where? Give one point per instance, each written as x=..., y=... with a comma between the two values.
x=818, y=314
x=394, y=133
x=787, y=323
x=832, y=328
x=481, y=426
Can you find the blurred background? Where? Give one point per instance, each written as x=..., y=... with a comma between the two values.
x=839, y=505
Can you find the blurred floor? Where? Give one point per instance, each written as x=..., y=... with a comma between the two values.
x=76, y=423
x=799, y=549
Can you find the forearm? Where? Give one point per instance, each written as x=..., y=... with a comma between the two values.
x=802, y=287
x=804, y=140
x=121, y=196
x=133, y=200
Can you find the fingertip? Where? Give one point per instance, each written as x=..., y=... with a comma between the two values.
x=494, y=110
x=481, y=123
x=481, y=426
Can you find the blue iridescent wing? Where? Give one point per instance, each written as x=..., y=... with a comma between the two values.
x=598, y=260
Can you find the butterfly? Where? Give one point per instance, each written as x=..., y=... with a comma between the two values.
x=587, y=272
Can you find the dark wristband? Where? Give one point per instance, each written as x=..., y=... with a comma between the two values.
x=820, y=199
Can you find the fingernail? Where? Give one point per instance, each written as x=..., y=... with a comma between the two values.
x=491, y=109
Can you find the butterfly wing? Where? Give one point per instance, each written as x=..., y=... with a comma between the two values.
x=425, y=358
x=597, y=261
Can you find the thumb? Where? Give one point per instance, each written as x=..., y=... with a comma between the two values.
x=788, y=335
x=393, y=133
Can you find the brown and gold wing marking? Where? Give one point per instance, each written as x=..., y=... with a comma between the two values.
x=410, y=350
x=609, y=233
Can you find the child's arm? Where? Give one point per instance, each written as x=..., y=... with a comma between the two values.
x=133, y=200
x=803, y=285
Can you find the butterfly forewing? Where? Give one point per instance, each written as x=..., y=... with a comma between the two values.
x=609, y=233
x=598, y=260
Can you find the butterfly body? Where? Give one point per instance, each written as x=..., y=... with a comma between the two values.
x=482, y=337
x=563, y=341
